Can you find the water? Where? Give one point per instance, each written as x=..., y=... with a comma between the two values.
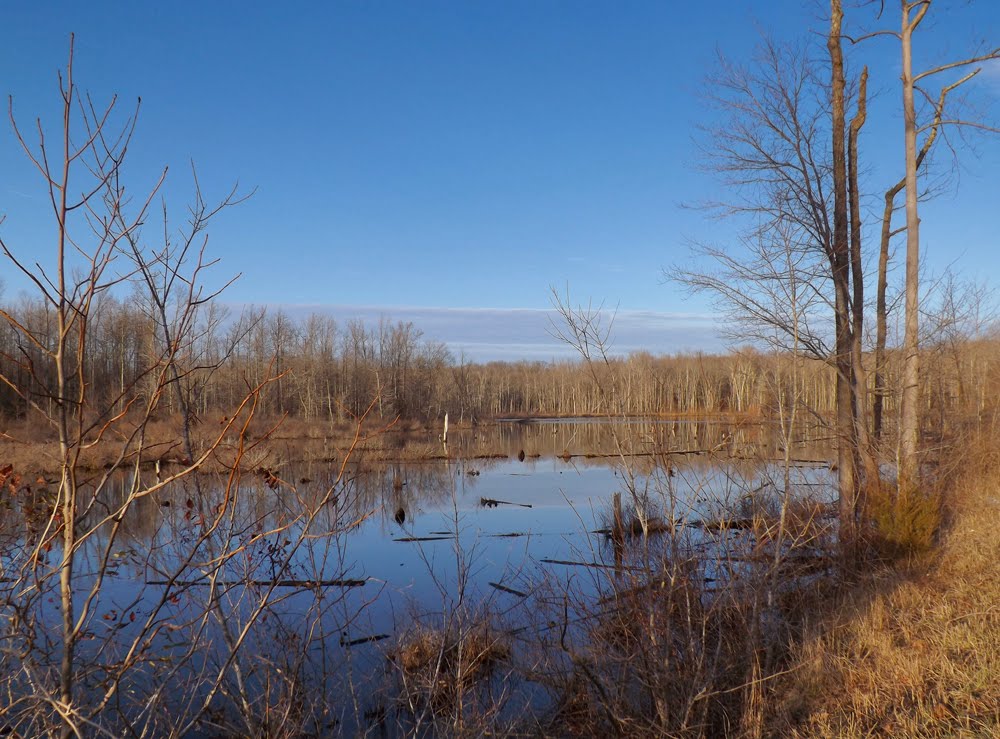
x=320, y=575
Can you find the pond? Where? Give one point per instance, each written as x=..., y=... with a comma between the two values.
x=321, y=572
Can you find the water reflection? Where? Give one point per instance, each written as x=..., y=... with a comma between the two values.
x=307, y=569
x=597, y=437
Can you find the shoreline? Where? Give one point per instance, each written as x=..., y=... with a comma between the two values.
x=294, y=440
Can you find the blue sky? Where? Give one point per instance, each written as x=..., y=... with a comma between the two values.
x=417, y=156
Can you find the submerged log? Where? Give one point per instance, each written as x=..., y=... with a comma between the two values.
x=592, y=565
x=284, y=583
x=492, y=503
x=345, y=642
x=724, y=524
x=505, y=589
x=631, y=593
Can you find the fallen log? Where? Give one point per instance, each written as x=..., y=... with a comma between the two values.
x=492, y=503
x=284, y=583
x=505, y=589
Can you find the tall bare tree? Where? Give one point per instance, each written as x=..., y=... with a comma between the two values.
x=912, y=14
x=840, y=270
x=95, y=224
x=783, y=150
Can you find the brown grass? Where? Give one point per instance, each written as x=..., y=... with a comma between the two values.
x=905, y=521
x=915, y=651
x=33, y=448
x=438, y=666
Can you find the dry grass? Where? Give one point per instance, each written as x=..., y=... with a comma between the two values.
x=808, y=522
x=657, y=660
x=436, y=667
x=33, y=449
x=916, y=650
x=906, y=521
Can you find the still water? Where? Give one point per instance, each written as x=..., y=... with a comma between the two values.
x=320, y=570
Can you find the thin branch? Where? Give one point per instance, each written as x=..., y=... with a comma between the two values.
x=995, y=54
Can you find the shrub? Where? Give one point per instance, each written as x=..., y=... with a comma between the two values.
x=905, y=519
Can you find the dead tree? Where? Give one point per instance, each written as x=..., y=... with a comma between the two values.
x=912, y=13
x=778, y=151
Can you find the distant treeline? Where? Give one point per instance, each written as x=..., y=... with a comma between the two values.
x=330, y=371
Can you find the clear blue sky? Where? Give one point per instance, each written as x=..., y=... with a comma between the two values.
x=447, y=154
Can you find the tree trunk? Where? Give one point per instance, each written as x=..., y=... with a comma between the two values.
x=840, y=262
x=881, y=327
x=860, y=375
x=909, y=421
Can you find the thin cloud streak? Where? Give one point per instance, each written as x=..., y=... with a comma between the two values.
x=991, y=71
x=513, y=334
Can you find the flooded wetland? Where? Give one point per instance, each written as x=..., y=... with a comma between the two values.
x=368, y=579
x=728, y=471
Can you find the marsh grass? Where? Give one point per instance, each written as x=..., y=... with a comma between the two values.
x=436, y=667
x=653, y=658
x=448, y=677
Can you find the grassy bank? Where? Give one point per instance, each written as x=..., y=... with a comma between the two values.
x=915, y=649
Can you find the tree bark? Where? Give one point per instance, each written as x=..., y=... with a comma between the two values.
x=909, y=421
x=840, y=264
x=859, y=374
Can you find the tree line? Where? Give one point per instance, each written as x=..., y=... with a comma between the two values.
x=329, y=371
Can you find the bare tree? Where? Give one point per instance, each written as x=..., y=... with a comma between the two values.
x=82, y=677
x=840, y=269
x=912, y=14
x=782, y=149
x=886, y=234
x=171, y=283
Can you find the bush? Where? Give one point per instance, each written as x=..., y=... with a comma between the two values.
x=905, y=519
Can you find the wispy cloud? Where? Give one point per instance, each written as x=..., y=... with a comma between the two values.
x=484, y=334
x=991, y=71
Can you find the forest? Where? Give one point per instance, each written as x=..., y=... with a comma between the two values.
x=325, y=372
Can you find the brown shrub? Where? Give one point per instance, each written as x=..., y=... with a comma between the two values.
x=905, y=521
x=437, y=667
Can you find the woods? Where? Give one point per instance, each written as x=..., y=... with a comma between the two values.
x=330, y=373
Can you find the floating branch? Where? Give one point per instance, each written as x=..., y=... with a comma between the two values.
x=505, y=589
x=491, y=503
x=264, y=583
x=424, y=538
